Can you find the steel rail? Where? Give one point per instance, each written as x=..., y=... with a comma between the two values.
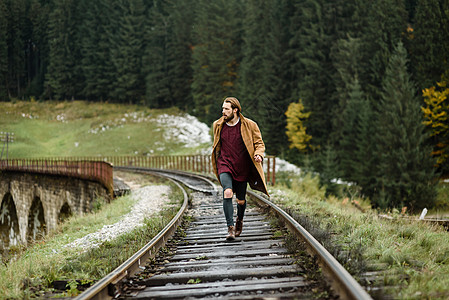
x=342, y=282
x=103, y=288
x=174, y=172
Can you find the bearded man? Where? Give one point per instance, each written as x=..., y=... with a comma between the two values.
x=237, y=156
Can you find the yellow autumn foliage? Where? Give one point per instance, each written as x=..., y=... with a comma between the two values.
x=296, y=131
x=436, y=112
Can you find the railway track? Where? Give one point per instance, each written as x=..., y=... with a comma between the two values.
x=197, y=262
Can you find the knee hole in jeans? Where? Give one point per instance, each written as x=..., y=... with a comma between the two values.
x=228, y=193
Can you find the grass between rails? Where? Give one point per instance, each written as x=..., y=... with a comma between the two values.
x=32, y=272
x=414, y=256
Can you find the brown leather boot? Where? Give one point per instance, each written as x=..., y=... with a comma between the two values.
x=231, y=234
x=238, y=227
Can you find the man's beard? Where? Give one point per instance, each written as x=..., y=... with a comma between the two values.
x=229, y=118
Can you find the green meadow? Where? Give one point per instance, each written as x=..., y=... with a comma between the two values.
x=78, y=128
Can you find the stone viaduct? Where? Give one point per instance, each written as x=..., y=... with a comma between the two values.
x=33, y=204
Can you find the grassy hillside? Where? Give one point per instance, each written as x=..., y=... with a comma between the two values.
x=79, y=128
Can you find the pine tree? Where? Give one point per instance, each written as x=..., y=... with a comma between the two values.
x=108, y=45
x=366, y=155
x=312, y=67
x=343, y=30
x=168, y=55
x=252, y=81
x=344, y=18
x=351, y=134
x=95, y=49
x=430, y=43
x=386, y=23
x=346, y=59
x=156, y=66
x=216, y=56
x=3, y=51
x=355, y=158
x=405, y=173
x=60, y=78
x=328, y=164
x=38, y=46
x=128, y=52
x=180, y=53
x=352, y=120
x=264, y=77
x=16, y=11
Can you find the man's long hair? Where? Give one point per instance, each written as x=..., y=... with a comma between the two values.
x=235, y=103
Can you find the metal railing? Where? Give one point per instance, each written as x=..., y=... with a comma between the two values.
x=99, y=171
x=191, y=163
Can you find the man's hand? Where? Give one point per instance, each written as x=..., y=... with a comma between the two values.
x=258, y=158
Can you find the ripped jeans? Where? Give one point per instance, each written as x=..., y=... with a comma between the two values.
x=237, y=187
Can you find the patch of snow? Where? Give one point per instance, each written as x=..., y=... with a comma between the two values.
x=61, y=118
x=339, y=181
x=29, y=116
x=185, y=129
x=283, y=165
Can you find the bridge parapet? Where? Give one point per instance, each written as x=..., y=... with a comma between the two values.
x=99, y=171
x=192, y=163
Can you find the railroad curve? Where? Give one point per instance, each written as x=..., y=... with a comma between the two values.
x=199, y=263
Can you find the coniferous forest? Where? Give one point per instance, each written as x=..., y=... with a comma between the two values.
x=349, y=89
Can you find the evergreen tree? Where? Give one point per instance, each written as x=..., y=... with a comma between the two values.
x=350, y=134
x=252, y=72
x=95, y=49
x=158, y=89
x=328, y=166
x=430, y=43
x=355, y=154
x=346, y=59
x=180, y=53
x=168, y=55
x=344, y=18
x=38, y=49
x=312, y=67
x=60, y=78
x=385, y=24
x=111, y=43
x=405, y=173
x=264, y=81
x=78, y=78
x=343, y=30
x=16, y=11
x=128, y=52
x=3, y=51
x=216, y=56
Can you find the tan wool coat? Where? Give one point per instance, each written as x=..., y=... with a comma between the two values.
x=252, y=139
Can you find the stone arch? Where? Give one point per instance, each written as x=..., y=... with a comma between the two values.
x=9, y=223
x=37, y=226
x=64, y=213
